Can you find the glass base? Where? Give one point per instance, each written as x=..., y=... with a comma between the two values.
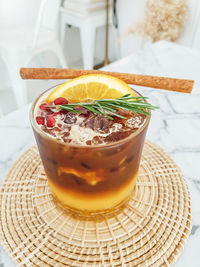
x=92, y=204
x=91, y=215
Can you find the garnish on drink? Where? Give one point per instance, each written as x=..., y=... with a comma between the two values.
x=90, y=133
x=107, y=107
x=97, y=119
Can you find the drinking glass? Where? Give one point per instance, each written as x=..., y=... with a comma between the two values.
x=90, y=179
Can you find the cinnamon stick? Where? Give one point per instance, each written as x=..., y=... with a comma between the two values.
x=171, y=84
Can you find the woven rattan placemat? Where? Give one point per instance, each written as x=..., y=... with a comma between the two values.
x=150, y=231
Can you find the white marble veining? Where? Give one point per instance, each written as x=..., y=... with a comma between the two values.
x=175, y=126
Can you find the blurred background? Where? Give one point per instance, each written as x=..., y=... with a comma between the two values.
x=83, y=34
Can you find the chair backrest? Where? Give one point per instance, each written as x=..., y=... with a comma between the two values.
x=17, y=13
x=49, y=11
x=31, y=13
x=47, y=17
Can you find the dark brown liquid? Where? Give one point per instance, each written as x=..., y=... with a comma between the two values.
x=113, y=165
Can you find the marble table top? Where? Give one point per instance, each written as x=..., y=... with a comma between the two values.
x=175, y=126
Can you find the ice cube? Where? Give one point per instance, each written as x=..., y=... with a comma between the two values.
x=134, y=122
x=116, y=127
x=98, y=123
x=70, y=118
x=97, y=140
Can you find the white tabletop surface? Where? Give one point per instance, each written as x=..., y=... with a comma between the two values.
x=175, y=127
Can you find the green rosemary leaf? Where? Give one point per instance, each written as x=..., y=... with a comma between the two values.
x=110, y=107
x=92, y=109
x=67, y=108
x=114, y=112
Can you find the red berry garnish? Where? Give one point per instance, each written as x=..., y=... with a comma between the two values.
x=43, y=106
x=60, y=101
x=40, y=120
x=56, y=113
x=51, y=121
x=64, y=111
x=85, y=115
x=81, y=110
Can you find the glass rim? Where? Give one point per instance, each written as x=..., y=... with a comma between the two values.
x=111, y=144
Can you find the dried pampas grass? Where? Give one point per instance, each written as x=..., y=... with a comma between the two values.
x=164, y=20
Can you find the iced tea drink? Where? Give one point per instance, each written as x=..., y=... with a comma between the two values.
x=91, y=162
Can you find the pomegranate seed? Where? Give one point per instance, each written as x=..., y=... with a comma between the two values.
x=81, y=110
x=51, y=121
x=64, y=111
x=40, y=120
x=43, y=106
x=60, y=101
x=85, y=115
x=56, y=113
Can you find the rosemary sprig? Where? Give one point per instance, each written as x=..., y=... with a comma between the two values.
x=110, y=107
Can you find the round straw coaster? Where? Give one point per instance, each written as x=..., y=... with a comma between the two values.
x=151, y=230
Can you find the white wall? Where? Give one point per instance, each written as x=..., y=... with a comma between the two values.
x=129, y=13
x=132, y=11
x=191, y=32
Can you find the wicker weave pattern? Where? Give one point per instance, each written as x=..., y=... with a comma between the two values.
x=150, y=231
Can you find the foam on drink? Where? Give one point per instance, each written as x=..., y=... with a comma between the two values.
x=86, y=129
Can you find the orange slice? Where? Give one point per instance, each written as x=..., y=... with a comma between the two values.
x=92, y=86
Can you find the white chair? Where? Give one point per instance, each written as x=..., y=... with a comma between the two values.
x=88, y=25
x=22, y=39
